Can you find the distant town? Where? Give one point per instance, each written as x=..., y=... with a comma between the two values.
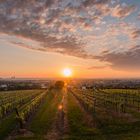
x=23, y=84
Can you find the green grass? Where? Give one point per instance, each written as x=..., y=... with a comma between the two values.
x=117, y=128
x=78, y=127
x=44, y=117
x=7, y=125
x=112, y=128
x=9, y=122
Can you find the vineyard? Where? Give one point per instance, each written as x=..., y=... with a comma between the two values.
x=113, y=112
x=118, y=100
x=10, y=100
x=70, y=113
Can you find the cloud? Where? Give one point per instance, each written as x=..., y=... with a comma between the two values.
x=138, y=16
x=122, y=11
x=135, y=33
x=129, y=60
x=97, y=67
x=95, y=2
x=80, y=28
x=68, y=47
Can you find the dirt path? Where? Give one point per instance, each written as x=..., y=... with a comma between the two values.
x=60, y=126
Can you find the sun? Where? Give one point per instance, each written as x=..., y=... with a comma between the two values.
x=67, y=72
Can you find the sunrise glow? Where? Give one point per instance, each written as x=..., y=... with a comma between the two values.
x=67, y=72
x=95, y=38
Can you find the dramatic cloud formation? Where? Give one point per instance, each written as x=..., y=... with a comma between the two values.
x=124, y=60
x=91, y=29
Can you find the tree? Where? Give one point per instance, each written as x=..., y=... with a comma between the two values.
x=59, y=84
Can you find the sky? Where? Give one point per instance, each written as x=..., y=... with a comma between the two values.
x=95, y=38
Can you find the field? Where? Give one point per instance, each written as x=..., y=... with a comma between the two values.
x=70, y=113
